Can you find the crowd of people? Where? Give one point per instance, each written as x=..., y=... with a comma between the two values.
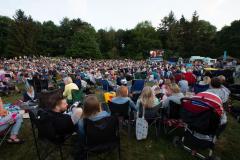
x=163, y=83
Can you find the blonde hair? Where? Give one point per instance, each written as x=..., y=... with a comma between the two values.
x=147, y=97
x=174, y=88
x=167, y=82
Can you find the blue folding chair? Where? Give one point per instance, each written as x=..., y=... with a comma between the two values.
x=106, y=86
x=137, y=86
x=200, y=88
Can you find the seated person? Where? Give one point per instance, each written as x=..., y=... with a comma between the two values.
x=218, y=89
x=175, y=96
x=78, y=82
x=92, y=110
x=122, y=97
x=120, y=78
x=3, y=87
x=111, y=85
x=69, y=86
x=5, y=118
x=63, y=124
x=29, y=95
x=147, y=98
x=165, y=86
x=223, y=83
x=206, y=81
x=183, y=84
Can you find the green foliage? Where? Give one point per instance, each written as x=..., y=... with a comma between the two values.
x=229, y=39
x=84, y=45
x=24, y=36
x=5, y=25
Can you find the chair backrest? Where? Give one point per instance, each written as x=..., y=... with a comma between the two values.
x=174, y=110
x=101, y=132
x=234, y=88
x=150, y=113
x=137, y=85
x=44, y=84
x=77, y=95
x=30, y=82
x=200, y=88
x=119, y=110
x=135, y=97
x=42, y=121
x=199, y=116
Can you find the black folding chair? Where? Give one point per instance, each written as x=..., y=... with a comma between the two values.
x=123, y=112
x=171, y=118
x=152, y=116
x=44, y=84
x=43, y=131
x=101, y=137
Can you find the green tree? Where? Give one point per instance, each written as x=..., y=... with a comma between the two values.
x=84, y=44
x=23, y=35
x=228, y=39
x=5, y=28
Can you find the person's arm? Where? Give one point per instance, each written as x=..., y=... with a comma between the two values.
x=132, y=105
x=65, y=93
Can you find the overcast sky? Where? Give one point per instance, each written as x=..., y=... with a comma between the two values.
x=124, y=13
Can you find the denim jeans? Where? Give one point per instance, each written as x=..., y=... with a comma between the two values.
x=16, y=127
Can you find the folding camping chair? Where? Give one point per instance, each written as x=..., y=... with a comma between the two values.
x=123, y=112
x=44, y=84
x=77, y=95
x=171, y=118
x=136, y=89
x=101, y=137
x=200, y=88
x=5, y=132
x=137, y=86
x=152, y=116
x=106, y=86
x=40, y=124
x=201, y=119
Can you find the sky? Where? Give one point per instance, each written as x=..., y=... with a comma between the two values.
x=124, y=14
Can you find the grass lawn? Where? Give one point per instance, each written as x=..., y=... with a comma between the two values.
x=153, y=148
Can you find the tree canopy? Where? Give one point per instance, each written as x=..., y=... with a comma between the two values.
x=22, y=35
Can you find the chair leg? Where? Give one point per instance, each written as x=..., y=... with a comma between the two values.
x=5, y=136
x=61, y=153
x=86, y=155
x=36, y=143
x=129, y=129
x=119, y=152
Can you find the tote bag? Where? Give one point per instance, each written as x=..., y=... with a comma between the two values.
x=141, y=127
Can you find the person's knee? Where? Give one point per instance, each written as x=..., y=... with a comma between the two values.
x=19, y=118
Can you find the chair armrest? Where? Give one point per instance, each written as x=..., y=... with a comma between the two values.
x=12, y=121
